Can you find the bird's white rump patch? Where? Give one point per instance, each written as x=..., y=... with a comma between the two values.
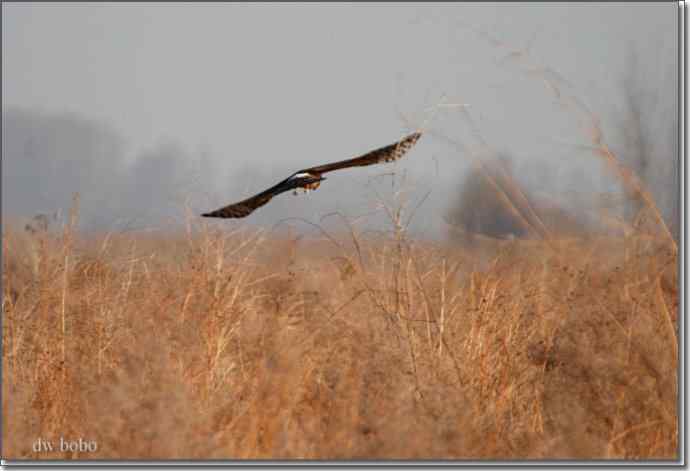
x=301, y=175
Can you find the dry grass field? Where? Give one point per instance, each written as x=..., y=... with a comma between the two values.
x=238, y=344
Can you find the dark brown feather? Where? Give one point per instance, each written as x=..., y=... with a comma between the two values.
x=245, y=207
x=241, y=209
x=384, y=154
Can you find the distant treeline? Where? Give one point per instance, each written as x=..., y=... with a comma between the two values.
x=47, y=157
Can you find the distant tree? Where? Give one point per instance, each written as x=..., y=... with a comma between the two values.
x=47, y=157
x=649, y=129
x=479, y=207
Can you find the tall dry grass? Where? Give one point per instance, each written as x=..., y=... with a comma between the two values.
x=235, y=344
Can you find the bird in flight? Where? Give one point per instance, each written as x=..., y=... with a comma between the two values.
x=310, y=178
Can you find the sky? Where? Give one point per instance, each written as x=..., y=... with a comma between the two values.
x=261, y=90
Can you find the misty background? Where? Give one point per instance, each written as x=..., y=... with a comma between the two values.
x=153, y=110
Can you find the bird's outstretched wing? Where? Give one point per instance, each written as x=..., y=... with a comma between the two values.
x=384, y=154
x=241, y=209
x=246, y=207
x=310, y=178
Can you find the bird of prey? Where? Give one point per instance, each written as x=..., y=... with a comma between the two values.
x=310, y=178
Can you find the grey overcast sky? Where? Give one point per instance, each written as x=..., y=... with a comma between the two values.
x=267, y=88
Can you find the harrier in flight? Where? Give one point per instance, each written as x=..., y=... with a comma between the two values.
x=310, y=178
